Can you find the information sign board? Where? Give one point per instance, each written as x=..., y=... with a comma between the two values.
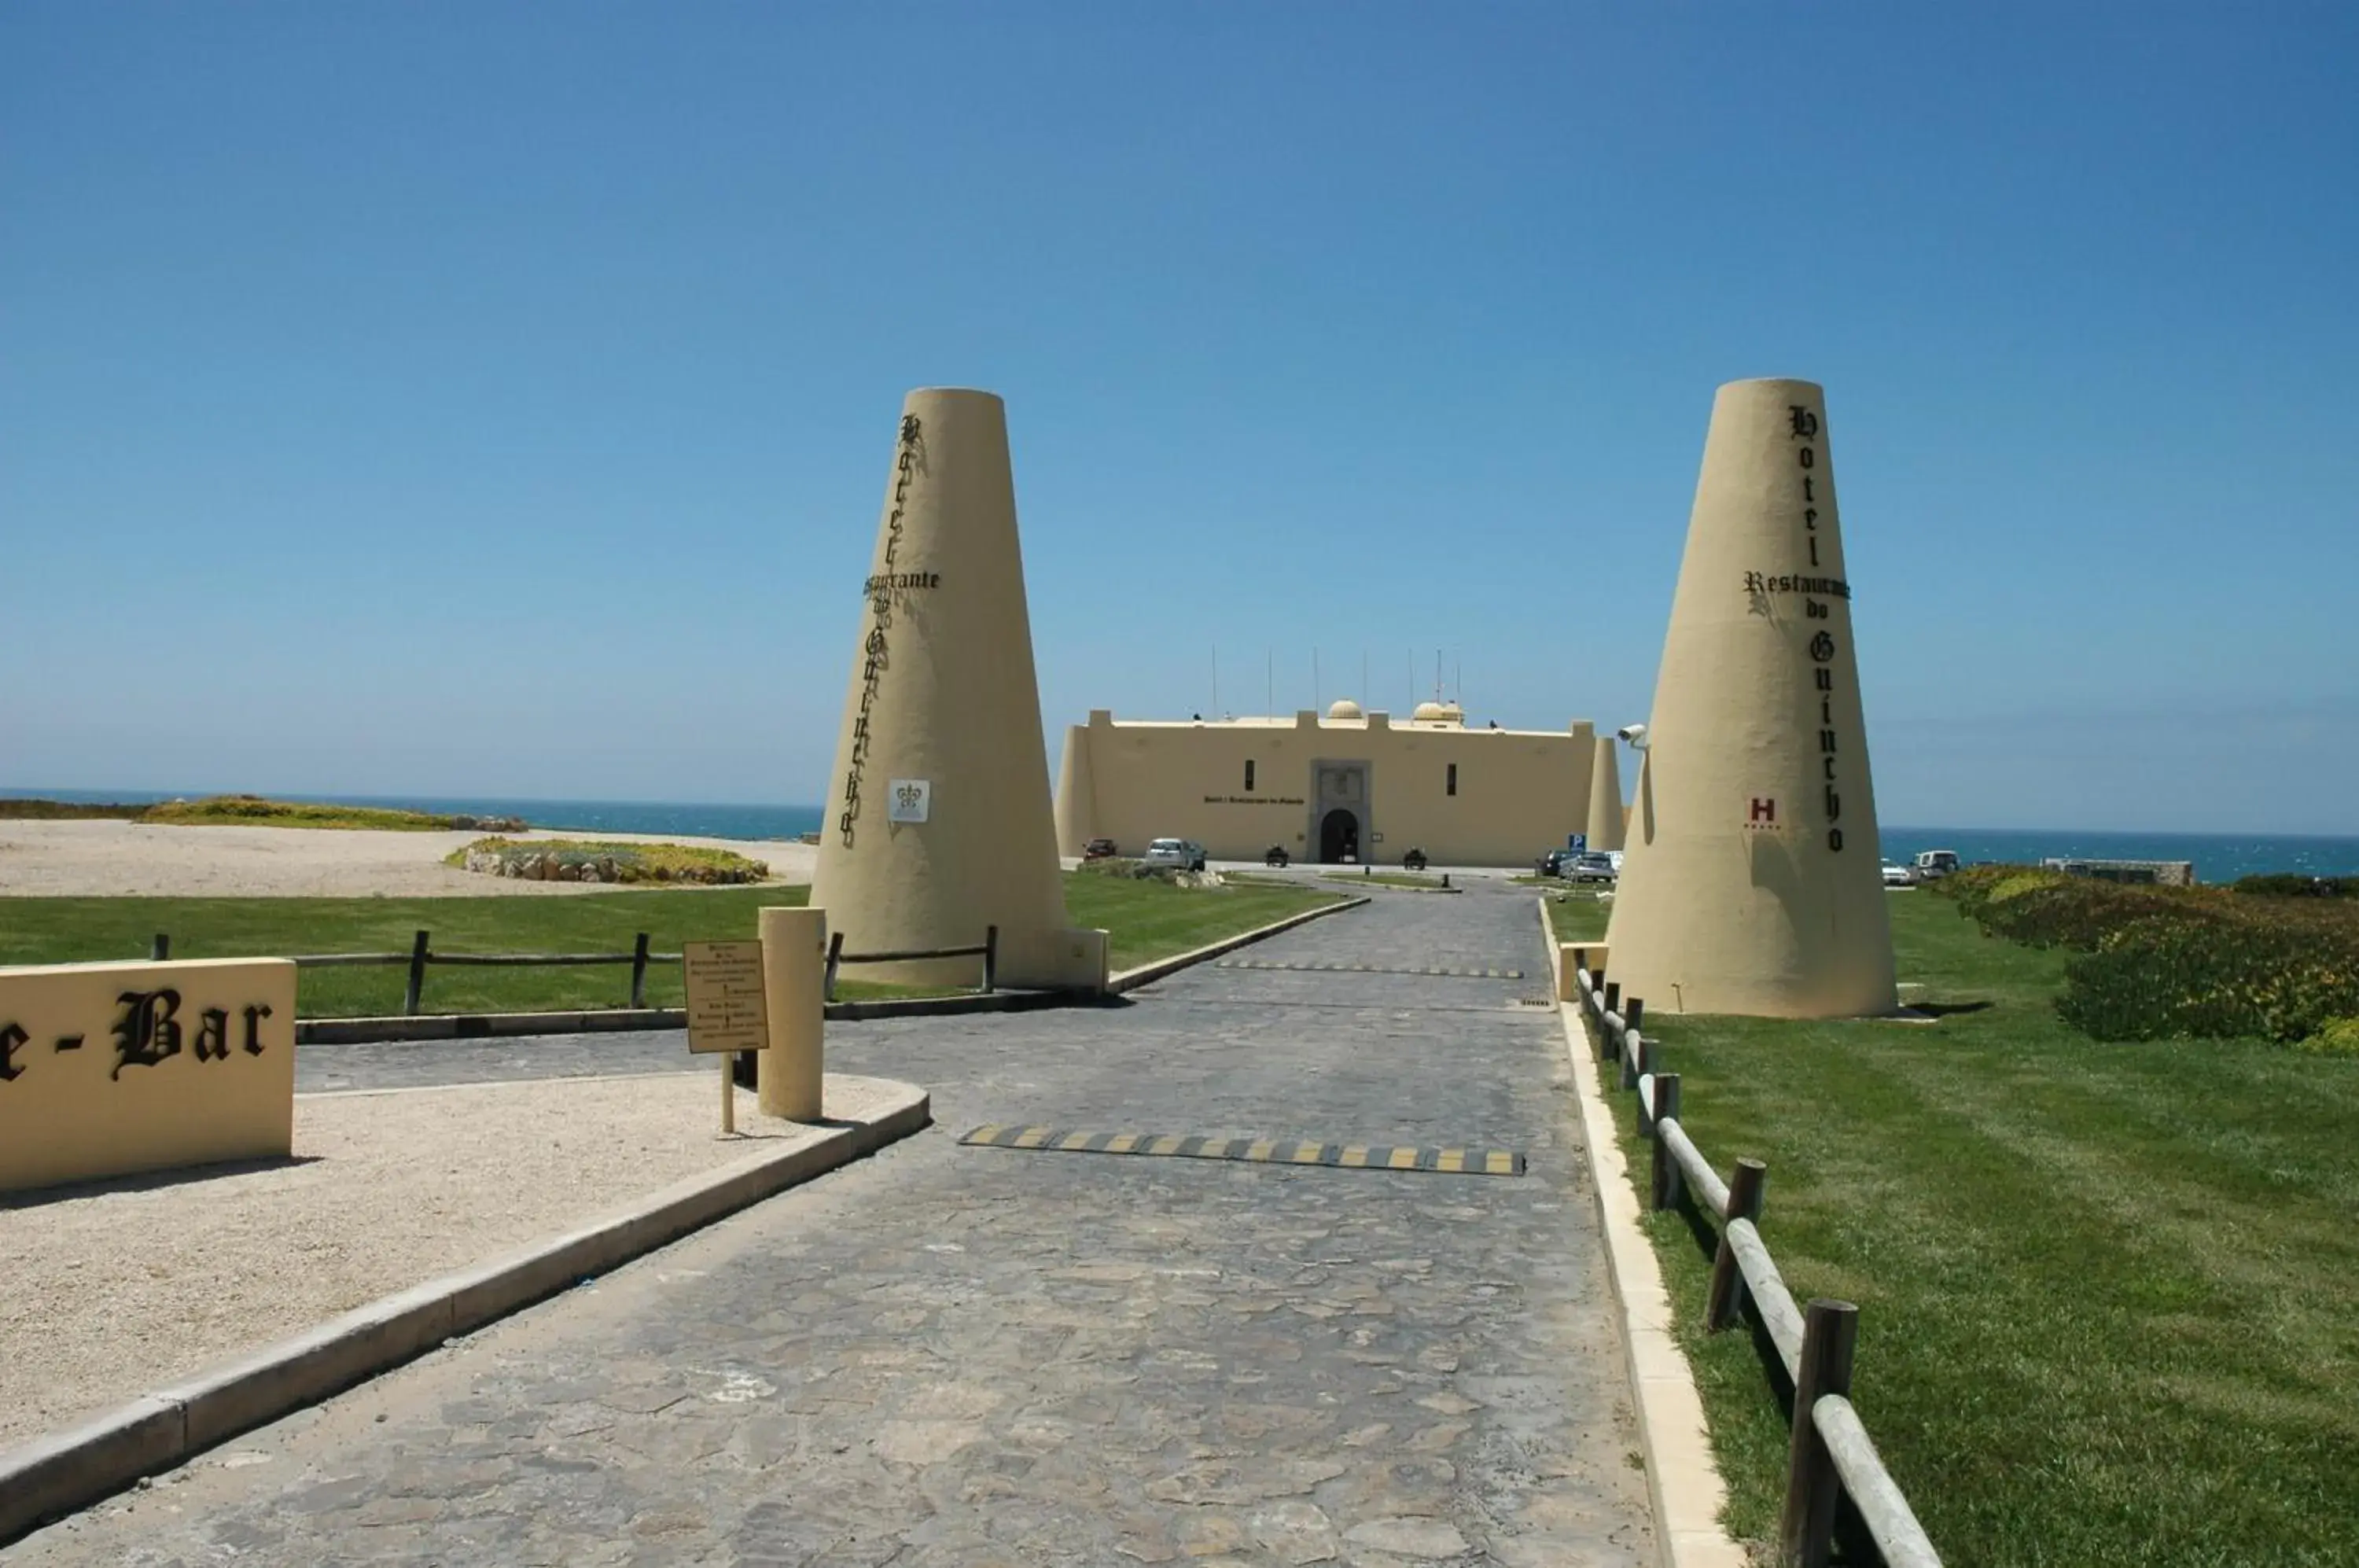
x=725, y=1009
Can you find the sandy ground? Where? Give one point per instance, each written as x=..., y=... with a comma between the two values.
x=116, y=1288
x=110, y=858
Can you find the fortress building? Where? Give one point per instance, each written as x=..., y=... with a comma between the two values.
x=1352, y=785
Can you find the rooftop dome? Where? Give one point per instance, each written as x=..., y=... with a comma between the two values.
x=1345, y=708
x=1437, y=714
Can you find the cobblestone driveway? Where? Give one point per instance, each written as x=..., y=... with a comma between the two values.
x=956, y=1355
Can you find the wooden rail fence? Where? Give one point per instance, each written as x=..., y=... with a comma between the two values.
x=989, y=951
x=1829, y=1450
x=421, y=955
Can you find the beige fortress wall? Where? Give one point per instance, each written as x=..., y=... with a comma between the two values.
x=1752, y=882
x=1520, y=792
x=1605, y=808
x=107, y=1069
x=944, y=690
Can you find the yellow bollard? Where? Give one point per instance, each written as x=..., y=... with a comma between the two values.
x=794, y=966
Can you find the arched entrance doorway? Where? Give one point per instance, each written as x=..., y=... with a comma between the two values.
x=1339, y=836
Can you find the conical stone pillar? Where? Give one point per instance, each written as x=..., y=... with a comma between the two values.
x=1605, y=797
x=1751, y=882
x=938, y=820
x=1077, y=814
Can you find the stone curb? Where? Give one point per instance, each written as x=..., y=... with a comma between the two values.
x=1131, y=979
x=485, y=1026
x=1683, y=1481
x=65, y=1471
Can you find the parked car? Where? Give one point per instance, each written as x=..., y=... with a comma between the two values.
x=1276, y=855
x=1182, y=854
x=1933, y=862
x=1555, y=862
x=1099, y=849
x=1898, y=875
x=1591, y=865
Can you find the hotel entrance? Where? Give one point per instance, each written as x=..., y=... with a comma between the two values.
x=1339, y=837
x=1338, y=812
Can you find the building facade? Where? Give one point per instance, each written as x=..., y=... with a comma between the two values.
x=1350, y=786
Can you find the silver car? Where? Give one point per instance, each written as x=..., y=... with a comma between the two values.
x=1179, y=853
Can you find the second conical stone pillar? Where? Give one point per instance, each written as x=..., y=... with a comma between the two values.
x=1606, y=811
x=938, y=820
x=1751, y=881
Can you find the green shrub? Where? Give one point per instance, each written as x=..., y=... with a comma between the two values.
x=587, y=860
x=2336, y=1037
x=2156, y=963
x=2168, y=976
x=2287, y=884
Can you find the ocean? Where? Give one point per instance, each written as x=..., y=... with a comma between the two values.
x=2218, y=857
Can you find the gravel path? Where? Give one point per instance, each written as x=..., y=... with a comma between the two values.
x=87, y=859
x=115, y=1288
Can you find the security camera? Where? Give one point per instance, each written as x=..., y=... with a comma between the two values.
x=1635, y=735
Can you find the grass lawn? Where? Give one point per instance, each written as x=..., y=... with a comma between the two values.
x=1388, y=878
x=1148, y=919
x=2106, y=1310
x=1578, y=917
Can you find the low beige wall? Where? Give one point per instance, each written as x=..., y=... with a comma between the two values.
x=106, y=1069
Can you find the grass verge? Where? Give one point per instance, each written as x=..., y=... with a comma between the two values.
x=2103, y=1292
x=1147, y=921
x=1579, y=916
x=1385, y=878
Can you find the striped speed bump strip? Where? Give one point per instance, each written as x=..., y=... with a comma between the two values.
x=1260, y=1150
x=1369, y=969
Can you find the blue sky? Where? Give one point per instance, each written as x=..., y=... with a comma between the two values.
x=458, y=399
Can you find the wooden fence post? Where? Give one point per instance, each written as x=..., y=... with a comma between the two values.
x=410, y=1000
x=639, y=971
x=160, y=948
x=1634, y=1013
x=834, y=958
x=1805, y=1533
x=1725, y=1298
x=990, y=959
x=1666, y=1187
x=1613, y=1002
x=1639, y=1046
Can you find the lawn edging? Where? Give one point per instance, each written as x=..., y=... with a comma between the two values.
x=62, y=1471
x=1131, y=979
x=1683, y=1480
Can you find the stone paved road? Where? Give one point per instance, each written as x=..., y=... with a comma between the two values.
x=951, y=1356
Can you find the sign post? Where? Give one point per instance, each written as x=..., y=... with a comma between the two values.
x=725, y=1010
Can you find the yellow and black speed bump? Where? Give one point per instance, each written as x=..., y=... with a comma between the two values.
x=1369, y=969
x=1260, y=1150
